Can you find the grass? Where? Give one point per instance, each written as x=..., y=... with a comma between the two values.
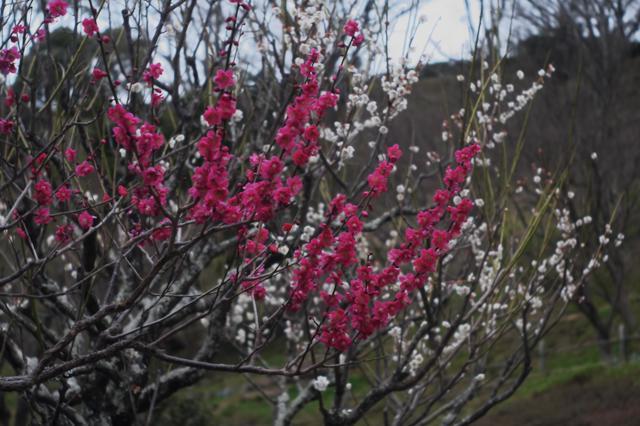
x=590, y=394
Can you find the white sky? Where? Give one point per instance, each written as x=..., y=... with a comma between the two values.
x=444, y=33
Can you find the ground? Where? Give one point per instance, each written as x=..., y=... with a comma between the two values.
x=589, y=396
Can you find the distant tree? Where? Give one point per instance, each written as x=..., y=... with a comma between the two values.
x=592, y=43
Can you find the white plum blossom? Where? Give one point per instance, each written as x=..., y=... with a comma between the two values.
x=321, y=383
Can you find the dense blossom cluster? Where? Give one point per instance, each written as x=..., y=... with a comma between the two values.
x=355, y=305
x=299, y=136
x=363, y=311
x=141, y=141
x=266, y=188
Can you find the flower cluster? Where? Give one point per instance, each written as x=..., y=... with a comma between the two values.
x=90, y=27
x=352, y=29
x=298, y=137
x=378, y=179
x=57, y=8
x=355, y=308
x=141, y=141
x=8, y=58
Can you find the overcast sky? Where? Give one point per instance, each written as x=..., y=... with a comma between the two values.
x=443, y=35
